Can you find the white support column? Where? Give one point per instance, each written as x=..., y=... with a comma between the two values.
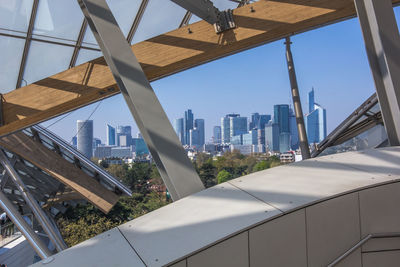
x=382, y=41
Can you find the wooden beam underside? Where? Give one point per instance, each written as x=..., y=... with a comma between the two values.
x=59, y=168
x=170, y=53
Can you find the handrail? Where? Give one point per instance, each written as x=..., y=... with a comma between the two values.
x=360, y=243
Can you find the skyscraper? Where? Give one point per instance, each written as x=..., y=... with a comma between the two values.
x=311, y=101
x=255, y=118
x=250, y=138
x=179, y=129
x=110, y=135
x=238, y=126
x=199, y=125
x=217, y=134
x=281, y=117
x=187, y=126
x=85, y=137
x=272, y=137
x=226, y=128
x=315, y=121
x=124, y=135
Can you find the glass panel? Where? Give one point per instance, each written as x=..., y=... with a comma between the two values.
x=368, y=139
x=15, y=14
x=160, y=17
x=124, y=12
x=45, y=60
x=86, y=55
x=58, y=18
x=10, y=58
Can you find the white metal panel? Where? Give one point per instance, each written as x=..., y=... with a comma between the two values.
x=107, y=249
x=333, y=227
x=232, y=252
x=280, y=242
x=302, y=183
x=379, y=209
x=384, y=259
x=191, y=224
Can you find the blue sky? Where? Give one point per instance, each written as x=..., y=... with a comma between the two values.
x=331, y=59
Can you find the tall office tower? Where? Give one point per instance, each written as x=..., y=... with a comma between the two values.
x=238, y=126
x=261, y=136
x=281, y=116
x=294, y=134
x=250, y=138
x=284, y=142
x=179, y=129
x=311, y=101
x=124, y=135
x=194, y=138
x=272, y=137
x=110, y=135
x=217, y=135
x=96, y=142
x=85, y=137
x=264, y=119
x=140, y=147
x=226, y=127
x=187, y=126
x=254, y=121
x=315, y=121
x=199, y=125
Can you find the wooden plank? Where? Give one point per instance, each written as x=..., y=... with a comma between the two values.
x=170, y=53
x=65, y=172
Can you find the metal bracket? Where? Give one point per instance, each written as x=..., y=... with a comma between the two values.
x=205, y=9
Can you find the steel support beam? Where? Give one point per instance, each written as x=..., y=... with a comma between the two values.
x=32, y=203
x=23, y=226
x=136, y=21
x=382, y=41
x=173, y=164
x=205, y=9
x=78, y=44
x=304, y=147
x=186, y=19
x=27, y=43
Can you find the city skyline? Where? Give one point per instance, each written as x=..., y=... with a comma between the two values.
x=263, y=81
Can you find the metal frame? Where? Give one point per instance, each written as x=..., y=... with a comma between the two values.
x=33, y=204
x=173, y=164
x=78, y=44
x=23, y=226
x=136, y=21
x=381, y=37
x=27, y=43
x=304, y=146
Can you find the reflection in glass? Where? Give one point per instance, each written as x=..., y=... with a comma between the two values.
x=10, y=58
x=58, y=18
x=15, y=14
x=45, y=60
x=86, y=55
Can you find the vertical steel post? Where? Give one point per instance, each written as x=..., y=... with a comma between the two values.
x=304, y=146
x=33, y=204
x=23, y=226
x=382, y=41
x=173, y=164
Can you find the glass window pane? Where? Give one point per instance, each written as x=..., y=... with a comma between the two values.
x=124, y=12
x=58, y=18
x=45, y=60
x=15, y=14
x=86, y=55
x=160, y=17
x=10, y=58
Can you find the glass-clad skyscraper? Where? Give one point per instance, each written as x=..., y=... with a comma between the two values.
x=85, y=137
x=124, y=135
x=217, y=134
x=315, y=121
x=110, y=135
x=187, y=126
x=226, y=127
x=199, y=126
x=179, y=129
x=281, y=117
x=272, y=137
x=238, y=126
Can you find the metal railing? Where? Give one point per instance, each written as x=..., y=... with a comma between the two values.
x=360, y=243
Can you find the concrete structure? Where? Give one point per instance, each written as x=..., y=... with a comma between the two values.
x=84, y=134
x=312, y=216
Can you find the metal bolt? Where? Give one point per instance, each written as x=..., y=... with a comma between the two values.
x=189, y=31
x=252, y=10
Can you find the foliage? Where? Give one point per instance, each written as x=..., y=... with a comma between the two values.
x=224, y=176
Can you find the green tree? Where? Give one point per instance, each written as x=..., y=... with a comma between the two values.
x=224, y=176
x=262, y=165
